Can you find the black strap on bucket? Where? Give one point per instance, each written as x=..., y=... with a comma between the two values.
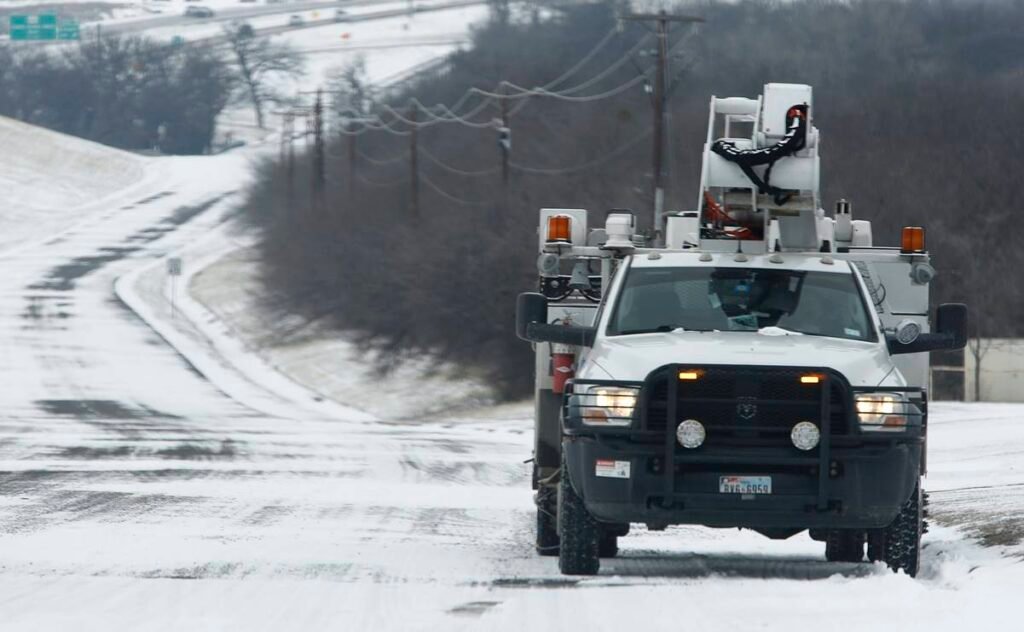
x=794, y=140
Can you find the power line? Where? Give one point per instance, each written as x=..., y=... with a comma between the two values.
x=453, y=109
x=587, y=165
x=449, y=114
x=540, y=92
x=451, y=197
x=462, y=172
x=394, y=183
x=366, y=126
x=382, y=162
x=600, y=76
x=437, y=120
x=568, y=73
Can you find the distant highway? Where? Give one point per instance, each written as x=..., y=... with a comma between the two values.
x=229, y=15
x=365, y=17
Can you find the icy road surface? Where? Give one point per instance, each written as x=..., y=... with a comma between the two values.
x=136, y=495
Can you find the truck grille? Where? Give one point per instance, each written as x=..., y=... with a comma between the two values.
x=745, y=405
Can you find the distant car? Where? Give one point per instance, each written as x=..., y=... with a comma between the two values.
x=296, y=20
x=199, y=12
x=340, y=15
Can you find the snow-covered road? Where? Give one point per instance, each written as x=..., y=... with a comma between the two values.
x=136, y=495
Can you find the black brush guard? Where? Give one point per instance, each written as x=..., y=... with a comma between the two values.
x=748, y=446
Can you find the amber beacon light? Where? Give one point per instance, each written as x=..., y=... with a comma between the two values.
x=913, y=239
x=559, y=229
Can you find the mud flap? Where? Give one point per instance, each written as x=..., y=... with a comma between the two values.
x=547, y=448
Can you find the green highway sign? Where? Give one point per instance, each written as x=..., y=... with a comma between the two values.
x=43, y=27
x=68, y=31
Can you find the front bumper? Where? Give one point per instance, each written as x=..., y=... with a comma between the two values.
x=866, y=486
x=851, y=479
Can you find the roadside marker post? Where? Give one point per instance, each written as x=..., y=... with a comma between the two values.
x=173, y=271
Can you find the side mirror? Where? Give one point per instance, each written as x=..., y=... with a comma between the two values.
x=532, y=324
x=950, y=332
x=531, y=307
x=951, y=320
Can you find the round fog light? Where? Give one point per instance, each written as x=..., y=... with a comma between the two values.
x=690, y=434
x=805, y=435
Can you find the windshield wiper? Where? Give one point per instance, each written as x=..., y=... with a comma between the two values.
x=651, y=330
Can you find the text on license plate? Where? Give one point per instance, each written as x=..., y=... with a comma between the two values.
x=744, y=484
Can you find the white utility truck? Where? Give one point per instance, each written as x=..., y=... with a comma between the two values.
x=757, y=364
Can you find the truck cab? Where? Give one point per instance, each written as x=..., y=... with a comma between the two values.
x=759, y=366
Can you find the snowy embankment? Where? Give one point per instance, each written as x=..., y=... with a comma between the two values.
x=162, y=301
x=50, y=181
x=212, y=315
x=229, y=294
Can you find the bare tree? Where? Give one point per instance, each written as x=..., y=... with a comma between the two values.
x=261, y=64
x=350, y=90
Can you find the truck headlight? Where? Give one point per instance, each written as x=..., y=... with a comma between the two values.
x=884, y=412
x=608, y=406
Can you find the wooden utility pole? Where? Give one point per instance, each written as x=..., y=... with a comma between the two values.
x=290, y=127
x=414, y=167
x=286, y=134
x=351, y=165
x=505, y=143
x=319, y=159
x=661, y=21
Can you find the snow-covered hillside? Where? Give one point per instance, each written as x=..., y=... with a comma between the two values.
x=48, y=179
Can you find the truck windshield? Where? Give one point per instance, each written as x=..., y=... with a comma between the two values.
x=741, y=299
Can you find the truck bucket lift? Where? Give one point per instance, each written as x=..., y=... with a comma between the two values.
x=760, y=174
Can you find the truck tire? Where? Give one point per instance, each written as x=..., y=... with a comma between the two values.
x=903, y=536
x=578, y=550
x=608, y=545
x=547, y=522
x=844, y=545
x=876, y=545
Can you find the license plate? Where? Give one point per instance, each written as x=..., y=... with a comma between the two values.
x=745, y=484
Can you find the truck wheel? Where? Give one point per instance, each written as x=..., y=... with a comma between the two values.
x=844, y=545
x=903, y=536
x=876, y=545
x=547, y=522
x=578, y=552
x=608, y=545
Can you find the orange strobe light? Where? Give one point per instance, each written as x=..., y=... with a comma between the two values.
x=810, y=379
x=689, y=375
x=559, y=229
x=913, y=239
